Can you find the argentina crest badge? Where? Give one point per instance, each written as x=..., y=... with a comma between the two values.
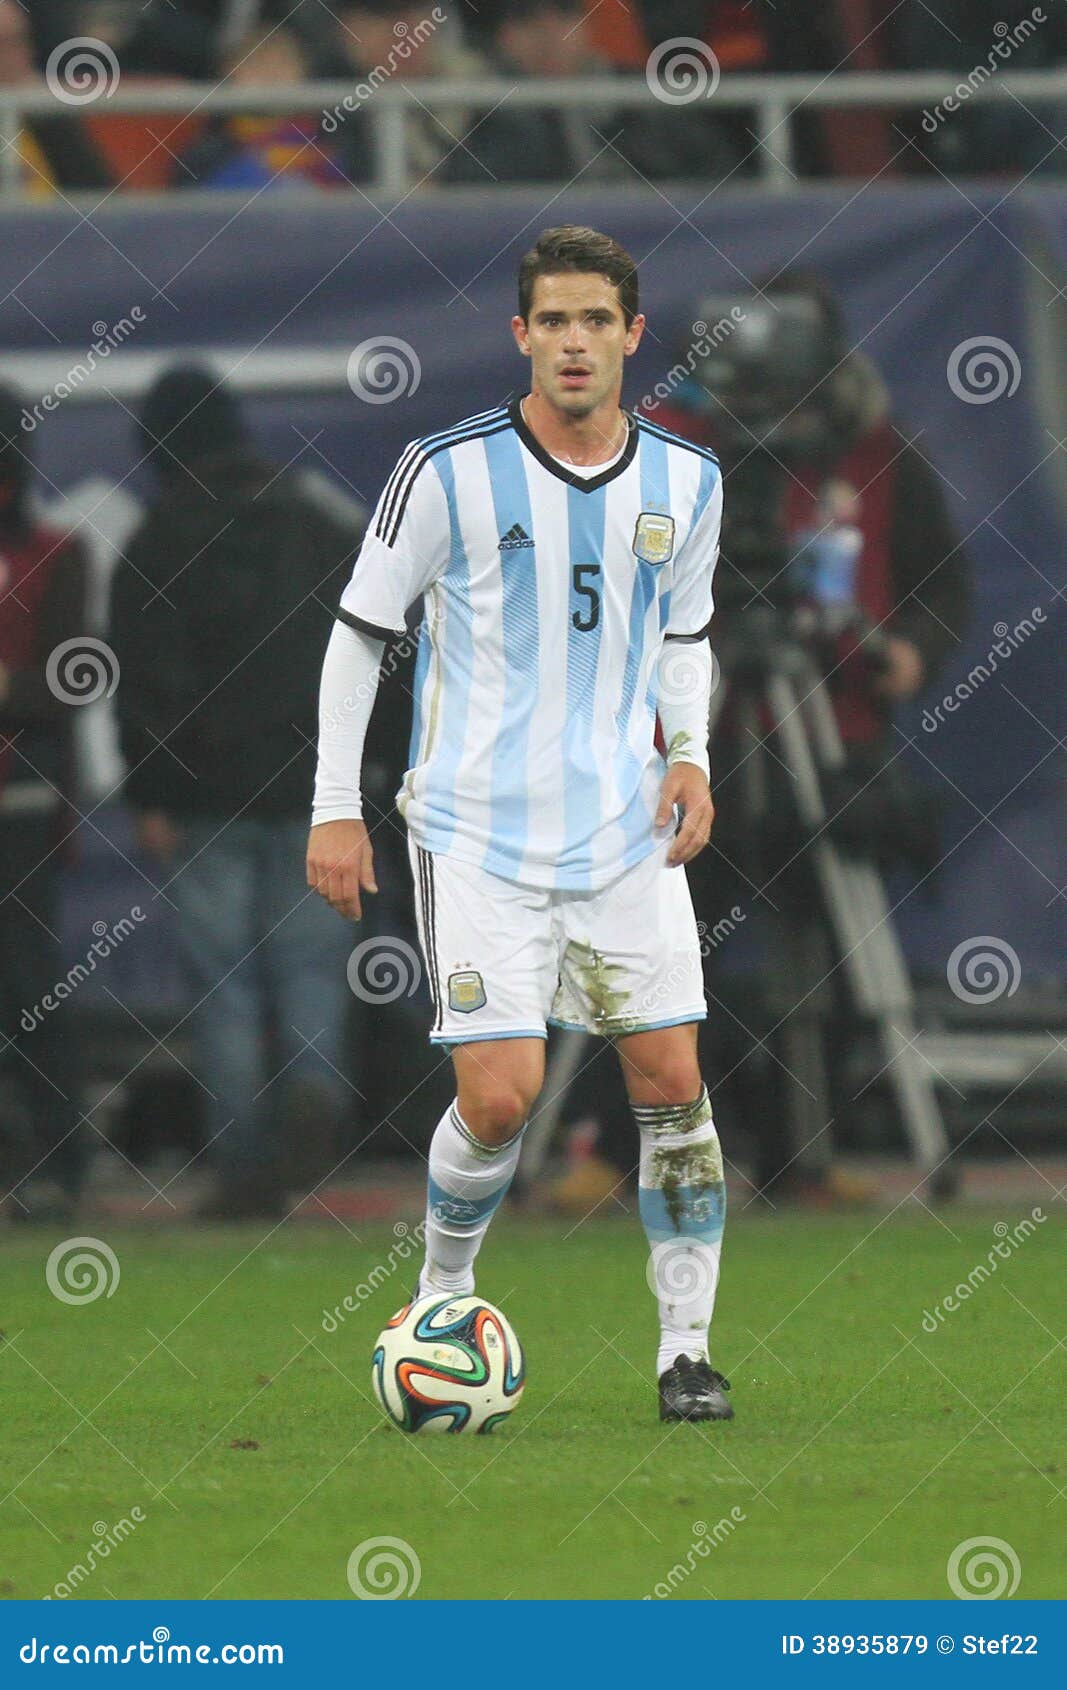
x=654, y=537
x=465, y=991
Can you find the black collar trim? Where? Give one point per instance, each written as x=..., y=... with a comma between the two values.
x=585, y=483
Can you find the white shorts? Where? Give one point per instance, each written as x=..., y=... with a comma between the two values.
x=504, y=959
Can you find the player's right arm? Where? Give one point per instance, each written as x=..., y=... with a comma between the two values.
x=404, y=550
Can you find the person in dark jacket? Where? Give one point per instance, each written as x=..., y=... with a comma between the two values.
x=220, y=616
x=42, y=680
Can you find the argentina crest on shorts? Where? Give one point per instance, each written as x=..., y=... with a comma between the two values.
x=654, y=537
x=466, y=991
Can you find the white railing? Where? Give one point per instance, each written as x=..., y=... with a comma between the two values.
x=773, y=101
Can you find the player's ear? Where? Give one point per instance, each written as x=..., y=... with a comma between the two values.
x=633, y=334
x=522, y=338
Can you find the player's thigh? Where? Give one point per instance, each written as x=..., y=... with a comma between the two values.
x=661, y=1066
x=630, y=957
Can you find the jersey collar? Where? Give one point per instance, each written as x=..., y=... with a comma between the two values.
x=584, y=483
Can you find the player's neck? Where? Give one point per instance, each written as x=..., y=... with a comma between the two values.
x=593, y=439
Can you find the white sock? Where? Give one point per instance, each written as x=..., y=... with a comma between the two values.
x=467, y=1181
x=682, y=1198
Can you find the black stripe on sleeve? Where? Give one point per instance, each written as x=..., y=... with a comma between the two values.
x=691, y=639
x=371, y=629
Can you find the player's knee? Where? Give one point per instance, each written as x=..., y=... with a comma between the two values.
x=676, y=1079
x=494, y=1112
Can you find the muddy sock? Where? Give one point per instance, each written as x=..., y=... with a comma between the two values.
x=682, y=1200
x=467, y=1181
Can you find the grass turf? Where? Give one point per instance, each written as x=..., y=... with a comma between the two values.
x=861, y=1454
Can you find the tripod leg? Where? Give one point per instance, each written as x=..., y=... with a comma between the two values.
x=563, y=1064
x=807, y=959
x=859, y=915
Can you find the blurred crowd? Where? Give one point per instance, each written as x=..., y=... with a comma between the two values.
x=273, y=43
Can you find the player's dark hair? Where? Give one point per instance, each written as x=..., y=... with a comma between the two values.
x=572, y=247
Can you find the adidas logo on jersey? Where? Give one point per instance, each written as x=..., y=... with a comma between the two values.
x=515, y=537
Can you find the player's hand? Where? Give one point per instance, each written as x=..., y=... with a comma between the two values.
x=687, y=786
x=340, y=865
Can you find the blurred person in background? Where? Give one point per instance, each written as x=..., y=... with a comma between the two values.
x=377, y=42
x=614, y=29
x=971, y=40
x=53, y=152
x=220, y=616
x=243, y=150
x=42, y=606
x=552, y=38
x=177, y=38
x=157, y=39
x=751, y=37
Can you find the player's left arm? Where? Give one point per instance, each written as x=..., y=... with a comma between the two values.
x=684, y=677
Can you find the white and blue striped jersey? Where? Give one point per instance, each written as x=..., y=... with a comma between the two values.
x=548, y=597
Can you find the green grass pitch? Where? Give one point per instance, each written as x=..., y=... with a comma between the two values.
x=206, y=1394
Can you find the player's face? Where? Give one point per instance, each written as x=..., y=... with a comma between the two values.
x=576, y=340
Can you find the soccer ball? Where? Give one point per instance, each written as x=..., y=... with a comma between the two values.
x=448, y=1364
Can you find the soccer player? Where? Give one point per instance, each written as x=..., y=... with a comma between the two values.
x=566, y=549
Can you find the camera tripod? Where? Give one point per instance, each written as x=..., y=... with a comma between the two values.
x=782, y=704
x=779, y=703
